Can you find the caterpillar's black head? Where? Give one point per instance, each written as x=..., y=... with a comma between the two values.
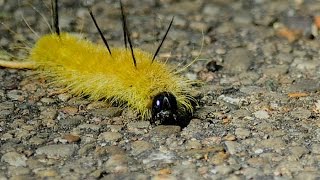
x=164, y=108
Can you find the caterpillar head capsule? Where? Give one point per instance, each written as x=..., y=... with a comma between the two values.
x=164, y=107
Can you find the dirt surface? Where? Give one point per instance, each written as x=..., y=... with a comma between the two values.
x=258, y=113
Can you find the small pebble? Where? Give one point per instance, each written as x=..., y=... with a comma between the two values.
x=315, y=148
x=47, y=100
x=232, y=147
x=92, y=127
x=261, y=114
x=139, y=125
x=69, y=110
x=57, y=150
x=107, y=112
x=71, y=138
x=242, y=133
x=16, y=95
x=193, y=144
x=46, y=173
x=14, y=159
x=275, y=143
x=220, y=51
x=237, y=60
x=301, y=113
x=64, y=97
x=162, y=130
x=109, y=136
x=117, y=164
x=139, y=147
x=224, y=170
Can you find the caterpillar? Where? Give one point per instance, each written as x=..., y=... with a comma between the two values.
x=128, y=77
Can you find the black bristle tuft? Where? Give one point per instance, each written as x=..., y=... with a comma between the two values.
x=164, y=37
x=99, y=30
x=127, y=35
x=124, y=26
x=55, y=17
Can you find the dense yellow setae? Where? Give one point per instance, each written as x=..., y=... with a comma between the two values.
x=88, y=69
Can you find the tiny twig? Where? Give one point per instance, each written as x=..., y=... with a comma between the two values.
x=18, y=65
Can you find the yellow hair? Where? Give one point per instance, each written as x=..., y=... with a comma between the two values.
x=87, y=69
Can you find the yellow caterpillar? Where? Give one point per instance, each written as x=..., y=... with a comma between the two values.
x=125, y=76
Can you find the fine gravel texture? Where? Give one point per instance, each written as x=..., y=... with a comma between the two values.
x=258, y=115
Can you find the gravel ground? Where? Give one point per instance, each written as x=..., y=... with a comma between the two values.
x=258, y=114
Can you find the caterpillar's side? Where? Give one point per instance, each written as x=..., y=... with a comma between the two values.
x=125, y=76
